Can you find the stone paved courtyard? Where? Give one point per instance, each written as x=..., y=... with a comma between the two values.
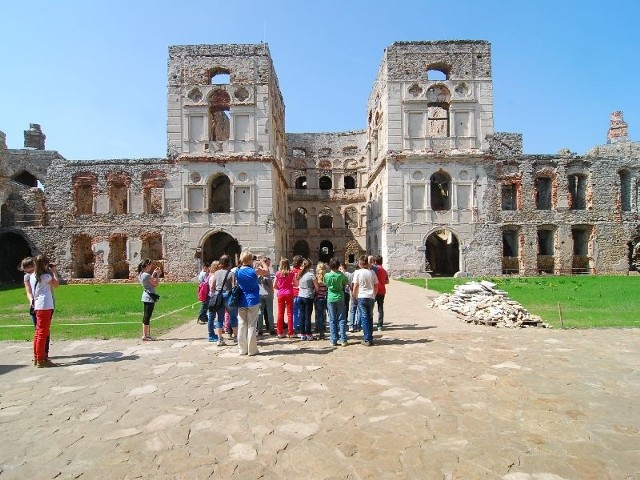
x=435, y=398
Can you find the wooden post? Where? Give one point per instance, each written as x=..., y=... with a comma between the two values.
x=560, y=314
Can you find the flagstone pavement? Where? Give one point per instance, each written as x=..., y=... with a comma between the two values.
x=434, y=398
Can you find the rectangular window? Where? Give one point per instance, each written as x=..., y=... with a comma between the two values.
x=438, y=121
x=153, y=200
x=580, y=242
x=545, y=242
x=543, y=193
x=416, y=130
x=196, y=128
x=464, y=197
x=417, y=197
x=578, y=192
x=509, y=197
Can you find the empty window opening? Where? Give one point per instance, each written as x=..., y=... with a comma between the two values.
x=510, y=252
x=151, y=246
x=300, y=218
x=326, y=251
x=83, y=258
x=580, y=261
x=325, y=219
x=435, y=74
x=438, y=115
x=301, y=248
x=301, y=183
x=509, y=197
x=325, y=183
x=153, y=200
x=625, y=191
x=440, y=191
x=26, y=179
x=118, y=263
x=543, y=193
x=219, y=117
x=545, y=251
x=220, y=77
x=220, y=194
x=577, y=192
x=118, y=198
x=349, y=182
x=351, y=218
x=84, y=200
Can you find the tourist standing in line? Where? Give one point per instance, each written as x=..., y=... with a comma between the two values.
x=306, y=295
x=320, y=299
x=28, y=266
x=220, y=282
x=149, y=278
x=354, y=318
x=42, y=282
x=284, y=289
x=383, y=279
x=249, y=303
x=336, y=282
x=365, y=287
x=203, y=292
x=265, y=312
x=296, y=268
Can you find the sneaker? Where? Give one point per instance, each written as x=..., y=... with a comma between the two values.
x=213, y=339
x=344, y=343
x=334, y=344
x=366, y=343
x=201, y=321
x=281, y=336
x=310, y=337
x=221, y=342
x=147, y=338
x=379, y=328
x=352, y=330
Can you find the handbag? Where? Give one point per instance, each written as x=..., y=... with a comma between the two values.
x=154, y=296
x=215, y=300
x=234, y=296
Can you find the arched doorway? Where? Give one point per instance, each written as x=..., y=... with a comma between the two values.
x=326, y=251
x=442, y=253
x=301, y=248
x=13, y=248
x=218, y=244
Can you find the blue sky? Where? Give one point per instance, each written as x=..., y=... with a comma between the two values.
x=93, y=74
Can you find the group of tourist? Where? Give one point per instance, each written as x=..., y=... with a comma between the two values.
x=299, y=289
x=238, y=299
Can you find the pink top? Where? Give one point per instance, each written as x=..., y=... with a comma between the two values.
x=284, y=283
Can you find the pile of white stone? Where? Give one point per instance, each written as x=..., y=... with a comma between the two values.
x=482, y=303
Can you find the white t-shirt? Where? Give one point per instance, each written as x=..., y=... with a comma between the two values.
x=42, y=293
x=366, y=280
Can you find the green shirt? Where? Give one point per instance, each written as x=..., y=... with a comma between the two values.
x=336, y=283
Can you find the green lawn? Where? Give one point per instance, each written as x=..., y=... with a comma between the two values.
x=82, y=305
x=585, y=301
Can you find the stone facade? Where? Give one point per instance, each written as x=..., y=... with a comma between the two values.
x=428, y=184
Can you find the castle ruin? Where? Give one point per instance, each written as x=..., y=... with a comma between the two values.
x=428, y=184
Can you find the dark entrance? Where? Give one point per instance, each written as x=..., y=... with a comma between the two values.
x=13, y=248
x=442, y=254
x=301, y=248
x=220, y=244
x=326, y=251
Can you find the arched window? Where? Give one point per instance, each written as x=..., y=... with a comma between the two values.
x=219, y=76
x=440, y=191
x=300, y=218
x=438, y=71
x=220, y=194
x=326, y=251
x=325, y=183
x=325, y=219
x=349, y=182
x=301, y=183
x=26, y=179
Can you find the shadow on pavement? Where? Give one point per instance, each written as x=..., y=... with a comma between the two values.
x=95, y=357
x=8, y=368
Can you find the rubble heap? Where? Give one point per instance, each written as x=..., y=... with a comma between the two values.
x=481, y=303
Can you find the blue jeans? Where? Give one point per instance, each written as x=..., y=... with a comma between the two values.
x=365, y=312
x=320, y=306
x=202, y=315
x=296, y=313
x=305, y=307
x=354, y=320
x=337, y=321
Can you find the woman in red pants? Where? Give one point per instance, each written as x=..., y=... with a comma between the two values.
x=284, y=289
x=43, y=280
